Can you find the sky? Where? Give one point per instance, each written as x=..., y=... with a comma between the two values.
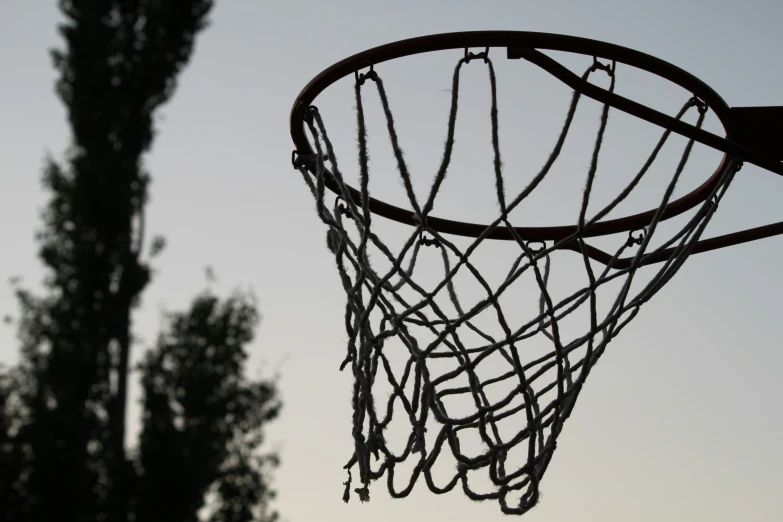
x=679, y=421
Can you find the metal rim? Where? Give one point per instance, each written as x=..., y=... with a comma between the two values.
x=526, y=42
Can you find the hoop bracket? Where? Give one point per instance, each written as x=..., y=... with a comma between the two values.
x=746, y=148
x=759, y=128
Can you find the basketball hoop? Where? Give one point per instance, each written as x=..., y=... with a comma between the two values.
x=446, y=345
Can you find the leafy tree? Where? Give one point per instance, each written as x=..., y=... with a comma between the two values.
x=63, y=409
x=202, y=420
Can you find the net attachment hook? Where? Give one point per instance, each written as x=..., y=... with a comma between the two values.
x=307, y=161
x=608, y=69
x=363, y=77
x=342, y=208
x=300, y=160
x=635, y=240
x=536, y=247
x=700, y=104
x=426, y=241
x=472, y=56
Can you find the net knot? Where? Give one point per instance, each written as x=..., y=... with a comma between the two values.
x=333, y=243
x=418, y=440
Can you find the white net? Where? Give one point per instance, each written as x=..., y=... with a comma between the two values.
x=475, y=391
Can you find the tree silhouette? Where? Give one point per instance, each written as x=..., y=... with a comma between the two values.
x=62, y=429
x=202, y=420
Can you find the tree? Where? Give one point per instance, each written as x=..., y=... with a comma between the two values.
x=63, y=432
x=202, y=420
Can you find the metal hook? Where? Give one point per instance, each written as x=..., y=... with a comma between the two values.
x=369, y=75
x=470, y=56
x=635, y=240
x=608, y=69
x=342, y=209
x=700, y=104
x=541, y=247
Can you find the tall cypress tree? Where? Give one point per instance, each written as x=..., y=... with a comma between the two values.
x=63, y=427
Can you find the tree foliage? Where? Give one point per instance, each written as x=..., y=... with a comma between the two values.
x=202, y=419
x=63, y=409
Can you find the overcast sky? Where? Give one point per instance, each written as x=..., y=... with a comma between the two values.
x=679, y=421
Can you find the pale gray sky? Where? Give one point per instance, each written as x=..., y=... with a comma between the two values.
x=679, y=421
